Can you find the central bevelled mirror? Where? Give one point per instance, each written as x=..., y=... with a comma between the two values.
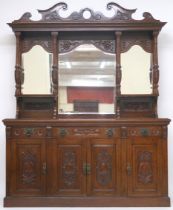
x=86, y=81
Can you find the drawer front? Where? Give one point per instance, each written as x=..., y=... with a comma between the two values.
x=85, y=132
x=28, y=132
x=145, y=131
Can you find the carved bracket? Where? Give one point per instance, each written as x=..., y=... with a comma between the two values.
x=104, y=45
x=30, y=42
x=145, y=44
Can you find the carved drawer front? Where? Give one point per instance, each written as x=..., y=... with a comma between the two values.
x=155, y=131
x=87, y=132
x=29, y=132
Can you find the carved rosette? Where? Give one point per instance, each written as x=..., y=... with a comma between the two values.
x=69, y=168
x=104, y=168
x=28, y=167
x=145, y=169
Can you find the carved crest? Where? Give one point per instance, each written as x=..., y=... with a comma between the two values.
x=53, y=15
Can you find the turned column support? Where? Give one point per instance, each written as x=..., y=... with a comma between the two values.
x=155, y=66
x=118, y=70
x=19, y=75
x=55, y=71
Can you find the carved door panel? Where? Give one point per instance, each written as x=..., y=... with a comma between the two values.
x=144, y=166
x=65, y=159
x=104, y=167
x=28, y=164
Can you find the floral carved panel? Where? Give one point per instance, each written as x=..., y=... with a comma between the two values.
x=69, y=168
x=145, y=168
x=104, y=167
x=29, y=162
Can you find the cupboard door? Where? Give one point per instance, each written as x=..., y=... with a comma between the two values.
x=65, y=167
x=104, y=164
x=27, y=176
x=144, y=166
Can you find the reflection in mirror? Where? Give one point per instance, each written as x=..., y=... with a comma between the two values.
x=86, y=81
x=135, y=71
x=37, y=71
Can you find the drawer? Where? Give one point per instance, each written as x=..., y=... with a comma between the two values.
x=28, y=132
x=86, y=132
x=148, y=131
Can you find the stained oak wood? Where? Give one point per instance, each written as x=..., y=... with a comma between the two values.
x=104, y=160
x=144, y=162
x=123, y=159
x=65, y=159
x=86, y=201
x=26, y=173
x=91, y=160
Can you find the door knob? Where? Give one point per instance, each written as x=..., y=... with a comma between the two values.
x=44, y=168
x=86, y=169
x=129, y=169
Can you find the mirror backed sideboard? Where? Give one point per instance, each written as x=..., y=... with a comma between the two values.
x=87, y=131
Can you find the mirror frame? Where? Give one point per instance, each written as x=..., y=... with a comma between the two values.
x=55, y=33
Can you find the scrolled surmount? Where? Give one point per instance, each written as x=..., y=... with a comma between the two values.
x=53, y=15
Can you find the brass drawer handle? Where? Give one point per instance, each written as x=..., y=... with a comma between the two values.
x=28, y=131
x=44, y=168
x=63, y=132
x=109, y=132
x=144, y=132
x=129, y=169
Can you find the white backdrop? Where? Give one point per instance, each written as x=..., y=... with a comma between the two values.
x=10, y=10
